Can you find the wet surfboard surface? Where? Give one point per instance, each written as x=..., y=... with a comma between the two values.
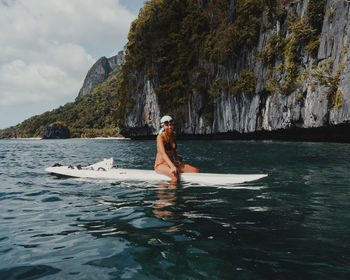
x=106, y=170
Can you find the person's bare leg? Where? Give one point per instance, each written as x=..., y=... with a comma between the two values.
x=165, y=169
x=188, y=168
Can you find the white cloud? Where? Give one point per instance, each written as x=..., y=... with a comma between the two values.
x=99, y=24
x=22, y=83
x=47, y=46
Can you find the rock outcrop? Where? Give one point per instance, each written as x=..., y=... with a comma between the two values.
x=306, y=107
x=143, y=118
x=100, y=71
x=56, y=131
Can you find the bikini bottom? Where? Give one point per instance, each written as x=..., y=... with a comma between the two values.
x=162, y=162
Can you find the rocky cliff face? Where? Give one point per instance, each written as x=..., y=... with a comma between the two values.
x=143, y=118
x=309, y=105
x=56, y=131
x=100, y=71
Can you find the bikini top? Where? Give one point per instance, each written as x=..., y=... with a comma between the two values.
x=169, y=147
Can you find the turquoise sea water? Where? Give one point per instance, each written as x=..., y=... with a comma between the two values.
x=294, y=224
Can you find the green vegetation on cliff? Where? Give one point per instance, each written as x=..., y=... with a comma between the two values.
x=283, y=51
x=171, y=37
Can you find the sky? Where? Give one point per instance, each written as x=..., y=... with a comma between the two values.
x=48, y=46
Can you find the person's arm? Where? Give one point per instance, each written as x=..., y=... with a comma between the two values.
x=161, y=150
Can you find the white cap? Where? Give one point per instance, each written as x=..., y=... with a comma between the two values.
x=165, y=119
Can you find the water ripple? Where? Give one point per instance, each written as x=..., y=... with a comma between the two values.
x=27, y=272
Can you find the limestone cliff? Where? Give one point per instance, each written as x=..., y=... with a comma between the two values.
x=306, y=86
x=100, y=71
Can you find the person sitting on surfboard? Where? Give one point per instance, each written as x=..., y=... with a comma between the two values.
x=168, y=162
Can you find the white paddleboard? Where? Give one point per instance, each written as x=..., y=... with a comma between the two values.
x=105, y=170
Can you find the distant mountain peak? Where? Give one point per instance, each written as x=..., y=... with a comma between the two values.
x=99, y=72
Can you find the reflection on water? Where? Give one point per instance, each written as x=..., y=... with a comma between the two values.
x=166, y=201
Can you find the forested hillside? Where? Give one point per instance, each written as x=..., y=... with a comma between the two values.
x=91, y=115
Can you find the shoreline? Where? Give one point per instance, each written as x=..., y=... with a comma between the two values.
x=337, y=133
x=83, y=138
